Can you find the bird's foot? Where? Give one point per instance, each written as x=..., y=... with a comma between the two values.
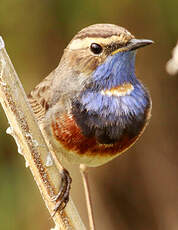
x=62, y=197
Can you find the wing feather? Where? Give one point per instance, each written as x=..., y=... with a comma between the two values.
x=39, y=97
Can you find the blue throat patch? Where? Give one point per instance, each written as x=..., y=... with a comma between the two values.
x=108, y=118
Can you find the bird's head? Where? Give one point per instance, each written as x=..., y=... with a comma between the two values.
x=98, y=44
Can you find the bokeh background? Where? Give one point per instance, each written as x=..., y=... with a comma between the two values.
x=138, y=190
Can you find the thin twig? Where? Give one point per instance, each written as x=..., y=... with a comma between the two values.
x=25, y=130
x=84, y=174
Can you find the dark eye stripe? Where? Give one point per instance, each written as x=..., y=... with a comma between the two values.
x=114, y=46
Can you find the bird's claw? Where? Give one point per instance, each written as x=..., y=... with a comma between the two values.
x=62, y=197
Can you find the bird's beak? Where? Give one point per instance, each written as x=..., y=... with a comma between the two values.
x=133, y=44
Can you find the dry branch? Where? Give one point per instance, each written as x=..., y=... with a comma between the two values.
x=25, y=130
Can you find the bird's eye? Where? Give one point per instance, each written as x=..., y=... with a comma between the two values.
x=96, y=48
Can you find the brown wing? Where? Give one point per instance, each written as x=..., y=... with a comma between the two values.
x=40, y=96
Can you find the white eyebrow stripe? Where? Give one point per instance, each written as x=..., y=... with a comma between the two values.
x=86, y=42
x=119, y=91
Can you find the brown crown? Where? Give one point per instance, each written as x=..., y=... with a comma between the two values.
x=102, y=31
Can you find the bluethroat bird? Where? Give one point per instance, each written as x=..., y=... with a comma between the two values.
x=92, y=106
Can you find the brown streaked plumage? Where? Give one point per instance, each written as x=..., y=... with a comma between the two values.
x=102, y=31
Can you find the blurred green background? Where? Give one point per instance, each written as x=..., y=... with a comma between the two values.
x=138, y=190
